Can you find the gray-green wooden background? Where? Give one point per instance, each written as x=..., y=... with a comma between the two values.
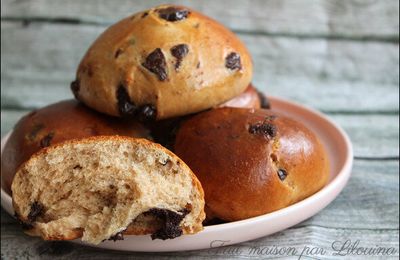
x=338, y=56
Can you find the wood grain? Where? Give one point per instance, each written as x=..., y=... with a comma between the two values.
x=366, y=210
x=354, y=19
x=326, y=74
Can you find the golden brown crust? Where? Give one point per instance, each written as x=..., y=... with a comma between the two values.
x=207, y=73
x=239, y=156
x=248, y=99
x=57, y=123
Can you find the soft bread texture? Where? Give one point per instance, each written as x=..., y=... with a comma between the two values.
x=56, y=123
x=98, y=187
x=251, y=162
x=164, y=62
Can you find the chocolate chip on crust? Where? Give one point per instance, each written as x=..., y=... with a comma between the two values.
x=282, y=174
x=173, y=13
x=265, y=128
x=25, y=225
x=155, y=62
x=34, y=132
x=171, y=227
x=118, y=52
x=232, y=61
x=46, y=141
x=125, y=106
x=35, y=211
x=147, y=113
x=179, y=52
x=75, y=87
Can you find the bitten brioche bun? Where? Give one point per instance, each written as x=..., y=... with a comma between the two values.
x=103, y=187
x=164, y=62
x=251, y=161
x=56, y=123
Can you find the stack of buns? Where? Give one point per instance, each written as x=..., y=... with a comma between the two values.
x=92, y=168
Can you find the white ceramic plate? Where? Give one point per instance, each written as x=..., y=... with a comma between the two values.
x=340, y=154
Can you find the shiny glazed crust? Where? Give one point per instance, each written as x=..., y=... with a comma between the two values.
x=250, y=98
x=56, y=123
x=251, y=162
x=117, y=77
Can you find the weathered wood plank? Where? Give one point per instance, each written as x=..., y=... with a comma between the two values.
x=289, y=17
x=370, y=200
x=333, y=75
x=9, y=118
x=372, y=135
x=16, y=245
x=367, y=210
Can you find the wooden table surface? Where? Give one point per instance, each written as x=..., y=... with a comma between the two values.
x=340, y=57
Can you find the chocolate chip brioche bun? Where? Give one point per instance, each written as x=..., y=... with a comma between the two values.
x=164, y=62
x=251, y=161
x=56, y=123
x=102, y=187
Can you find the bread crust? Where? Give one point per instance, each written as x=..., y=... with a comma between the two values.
x=203, y=74
x=240, y=156
x=250, y=98
x=56, y=123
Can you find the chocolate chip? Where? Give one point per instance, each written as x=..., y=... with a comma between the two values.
x=117, y=236
x=35, y=130
x=125, y=106
x=155, y=62
x=145, y=14
x=118, y=52
x=179, y=52
x=46, y=141
x=232, y=61
x=265, y=128
x=171, y=226
x=173, y=14
x=264, y=102
x=25, y=225
x=35, y=211
x=90, y=70
x=77, y=167
x=75, y=87
x=282, y=174
x=147, y=113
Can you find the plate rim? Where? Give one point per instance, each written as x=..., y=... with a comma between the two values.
x=339, y=180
